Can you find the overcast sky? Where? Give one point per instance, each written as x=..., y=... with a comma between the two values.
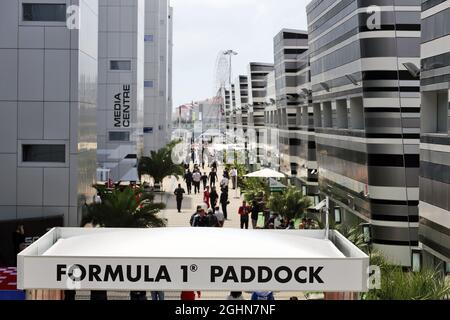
x=202, y=28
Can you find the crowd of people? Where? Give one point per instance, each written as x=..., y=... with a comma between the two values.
x=213, y=211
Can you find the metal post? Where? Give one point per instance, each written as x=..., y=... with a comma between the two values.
x=327, y=218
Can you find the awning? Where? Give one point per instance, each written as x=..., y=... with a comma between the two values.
x=276, y=186
x=265, y=173
x=209, y=259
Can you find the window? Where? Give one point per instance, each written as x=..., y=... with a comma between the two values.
x=435, y=111
x=120, y=65
x=356, y=113
x=44, y=153
x=120, y=136
x=327, y=115
x=161, y=93
x=148, y=84
x=148, y=130
x=50, y=12
x=305, y=116
x=341, y=114
x=148, y=38
x=317, y=116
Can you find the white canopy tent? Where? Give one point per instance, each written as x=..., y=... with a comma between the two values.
x=265, y=173
x=209, y=259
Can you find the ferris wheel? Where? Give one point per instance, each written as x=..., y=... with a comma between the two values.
x=221, y=72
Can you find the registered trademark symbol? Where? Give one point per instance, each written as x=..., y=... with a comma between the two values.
x=193, y=267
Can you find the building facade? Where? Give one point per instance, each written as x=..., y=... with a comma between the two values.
x=48, y=101
x=366, y=108
x=121, y=88
x=158, y=74
x=240, y=112
x=294, y=110
x=434, y=208
x=257, y=92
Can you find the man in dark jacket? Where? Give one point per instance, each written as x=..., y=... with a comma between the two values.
x=213, y=197
x=224, y=203
x=179, y=192
x=201, y=219
x=213, y=178
x=188, y=179
x=205, y=180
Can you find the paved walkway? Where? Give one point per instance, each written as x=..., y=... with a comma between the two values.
x=190, y=203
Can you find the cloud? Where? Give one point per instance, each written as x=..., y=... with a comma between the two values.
x=202, y=28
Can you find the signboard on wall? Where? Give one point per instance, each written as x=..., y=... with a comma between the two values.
x=122, y=105
x=194, y=274
x=34, y=228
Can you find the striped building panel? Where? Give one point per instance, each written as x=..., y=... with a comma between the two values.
x=366, y=111
x=434, y=208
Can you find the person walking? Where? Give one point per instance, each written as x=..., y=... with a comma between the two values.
x=193, y=155
x=201, y=219
x=255, y=213
x=224, y=203
x=179, y=194
x=196, y=213
x=212, y=178
x=205, y=180
x=188, y=179
x=226, y=174
x=157, y=295
x=212, y=219
x=197, y=177
x=263, y=295
x=244, y=212
x=214, y=196
x=189, y=295
x=224, y=182
x=234, y=177
x=18, y=240
x=220, y=217
x=206, y=197
x=235, y=295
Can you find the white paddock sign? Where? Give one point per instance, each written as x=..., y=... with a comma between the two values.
x=194, y=273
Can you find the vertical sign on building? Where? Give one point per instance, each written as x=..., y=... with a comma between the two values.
x=122, y=101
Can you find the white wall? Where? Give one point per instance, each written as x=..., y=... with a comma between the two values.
x=48, y=95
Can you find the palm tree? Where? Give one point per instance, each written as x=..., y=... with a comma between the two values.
x=255, y=188
x=130, y=208
x=396, y=284
x=290, y=204
x=160, y=164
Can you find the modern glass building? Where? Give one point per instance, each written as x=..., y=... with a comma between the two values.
x=121, y=87
x=366, y=107
x=257, y=92
x=158, y=74
x=434, y=208
x=48, y=102
x=297, y=148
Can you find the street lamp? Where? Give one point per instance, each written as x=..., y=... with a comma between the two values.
x=367, y=238
x=230, y=53
x=325, y=86
x=337, y=215
x=367, y=233
x=412, y=69
x=416, y=260
x=352, y=79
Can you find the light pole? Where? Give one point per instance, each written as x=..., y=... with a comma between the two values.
x=229, y=53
